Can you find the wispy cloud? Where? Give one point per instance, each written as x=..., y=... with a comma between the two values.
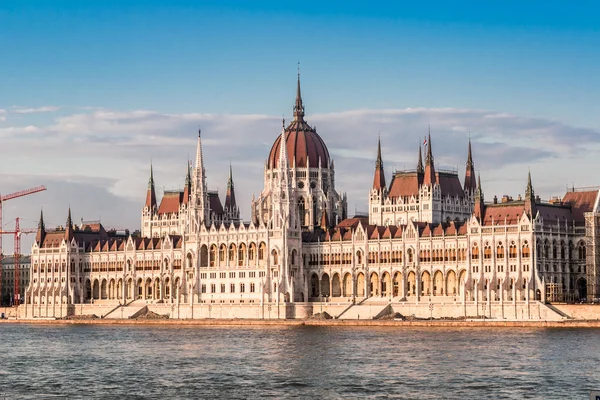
x=112, y=150
x=43, y=109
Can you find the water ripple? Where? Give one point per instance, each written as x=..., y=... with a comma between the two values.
x=88, y=362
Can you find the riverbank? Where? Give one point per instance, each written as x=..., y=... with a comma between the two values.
x=329, y=322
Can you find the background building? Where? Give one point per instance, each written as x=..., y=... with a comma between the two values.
x=8, y=278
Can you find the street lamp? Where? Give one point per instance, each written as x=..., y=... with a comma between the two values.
x=321, y=301
x=431, y=310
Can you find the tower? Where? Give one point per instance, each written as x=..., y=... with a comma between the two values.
x=379, y=178
x=232, y=211
x=200, y=208
x=470, y=183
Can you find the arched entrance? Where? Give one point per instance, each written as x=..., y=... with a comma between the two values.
x=336, y=286
x=374, y=286
x=325, y=285
x=360, y=285
x=386, y=284
x=425, y=284
x=314, y=285
x=411, y=281
x=582, y=288
x=438, y=284
x=396, y=284
x=347, y=290
x=451, y=289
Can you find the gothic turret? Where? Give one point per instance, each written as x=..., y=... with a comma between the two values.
x=470, y=184
x=530, y=198
x=41, y=232
x=187, y=189
x=231, y=208
x=420, y=162
x=479, y=204
x=199, y=190
x=379, y=178
x=69, y=227
x=150, y=194
x=429, y=178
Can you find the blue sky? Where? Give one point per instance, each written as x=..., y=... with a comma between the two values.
x=91, y=90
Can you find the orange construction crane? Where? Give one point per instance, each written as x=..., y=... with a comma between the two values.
x=17, y=258
x=10, y=197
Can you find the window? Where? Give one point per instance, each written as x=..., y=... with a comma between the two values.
x=242, y=274
x=475, y=252
x=500, y=251
x=242, y=288
x=222, y=288
x=232, y=288
x=252, y=288
x=223, y=275
x=525, y=252
x=261, y=274
x=487, y=252
x=232, y=275
x=213, y=288
x=252, y=274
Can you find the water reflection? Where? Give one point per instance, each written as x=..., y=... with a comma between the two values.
x=274, y=362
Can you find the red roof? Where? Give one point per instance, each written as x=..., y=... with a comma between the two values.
x=405, y=184
x=303, y=143
x=170, y=202
x=581, y=202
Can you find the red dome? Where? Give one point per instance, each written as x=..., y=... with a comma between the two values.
x=303, y=143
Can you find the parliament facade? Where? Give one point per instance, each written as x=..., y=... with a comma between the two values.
x=428, y=239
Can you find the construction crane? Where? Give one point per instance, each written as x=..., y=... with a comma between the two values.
x=17, y=257
x=10, y=197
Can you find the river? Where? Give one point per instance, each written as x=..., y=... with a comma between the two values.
x=191, y=362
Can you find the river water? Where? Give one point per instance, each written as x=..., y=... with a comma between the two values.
x=191, y=362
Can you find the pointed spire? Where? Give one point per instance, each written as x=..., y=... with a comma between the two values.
x=479, y=203
x=420, y=168
x=41, y=224
x=379, y=178
x=150, y=194
x=41, y=232
x=429, y=178
x=283, y=155
x=470, y=185
x=530, y=208
x=69, y=227
x=298, y=106
x=187, y=188
x=199, y=159
x=324, y=225
x=230, y=203
x=529, y=193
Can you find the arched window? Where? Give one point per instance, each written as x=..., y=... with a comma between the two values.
x=581, y=251
x=359, y=257
x=525, y=252
x=302, y=212
x=275, y=257
x=222, y=254
x=487, y=252
x=512, y=250
x=410, y=255
x=252, y=252
x=232, y=251
x=241, y=254
x=213, y=255
x=475, y=252
x=500, y=250
x=261, y=251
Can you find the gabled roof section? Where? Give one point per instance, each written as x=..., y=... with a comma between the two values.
x=580, y=202
x=405, y=184
x=170, y=202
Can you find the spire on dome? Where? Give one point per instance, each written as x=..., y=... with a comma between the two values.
x=470, y=184
x=150, y=194
x=429, y=178
x=298, y=107
x=379, y=178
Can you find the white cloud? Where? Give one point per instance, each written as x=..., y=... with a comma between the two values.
x=43, y=109
x=106, y=154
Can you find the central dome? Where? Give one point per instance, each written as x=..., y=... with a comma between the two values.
x=304, y=146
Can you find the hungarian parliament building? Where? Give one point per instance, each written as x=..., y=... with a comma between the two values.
x=428, y=239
